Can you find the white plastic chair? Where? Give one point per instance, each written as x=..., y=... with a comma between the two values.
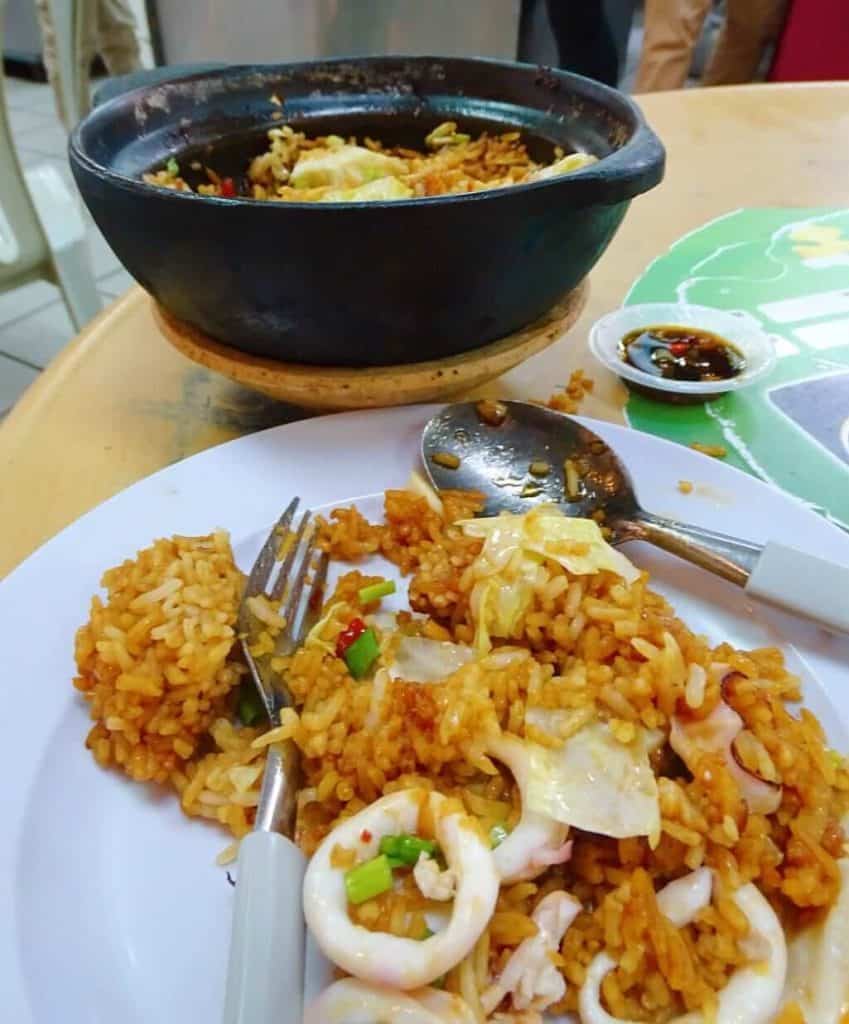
x=42, y=231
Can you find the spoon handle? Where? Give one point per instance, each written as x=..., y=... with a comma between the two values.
x=728, y=557
x=781, y=576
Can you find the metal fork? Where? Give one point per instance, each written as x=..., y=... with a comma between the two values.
x=266, y=968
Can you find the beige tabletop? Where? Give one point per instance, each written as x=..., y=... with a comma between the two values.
x=120, y=403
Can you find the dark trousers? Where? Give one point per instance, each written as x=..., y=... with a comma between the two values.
x=584, y=40
x=582, y=33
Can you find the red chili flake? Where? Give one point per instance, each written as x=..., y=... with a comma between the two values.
x=228, y=188
x=365, y=836
x=348, y=635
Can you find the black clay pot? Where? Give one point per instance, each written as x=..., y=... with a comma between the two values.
x=361, y=284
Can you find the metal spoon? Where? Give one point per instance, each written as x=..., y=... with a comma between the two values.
x=468, y=446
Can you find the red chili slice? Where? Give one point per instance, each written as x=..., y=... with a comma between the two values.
x=679, y=348
x=228, y=188
x=348, y=635
x=365, y=835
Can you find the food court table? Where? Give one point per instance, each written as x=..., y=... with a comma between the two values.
x=120, y=403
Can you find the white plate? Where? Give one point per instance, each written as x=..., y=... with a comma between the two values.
x=111, y=908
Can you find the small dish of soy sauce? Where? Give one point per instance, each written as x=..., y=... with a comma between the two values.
x=681, y=353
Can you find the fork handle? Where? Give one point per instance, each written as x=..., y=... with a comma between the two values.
x=265, y=976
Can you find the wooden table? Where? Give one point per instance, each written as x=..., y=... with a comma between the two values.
x=120, y=403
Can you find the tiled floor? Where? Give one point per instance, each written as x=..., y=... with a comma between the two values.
x=34, y=324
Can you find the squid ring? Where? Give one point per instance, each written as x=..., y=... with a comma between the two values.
x=352, y=1002
x=389, y=960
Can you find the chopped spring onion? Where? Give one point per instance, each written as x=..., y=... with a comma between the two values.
x=428, y=934
x=362, y=653
x=497, y=835
x=172, y=167
x=368, y=880
x=375, y=591
x=250, y=706
x=407, y=849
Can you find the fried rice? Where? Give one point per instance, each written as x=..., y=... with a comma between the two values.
x=157, y=667
x=328, y=168
x=154, y=661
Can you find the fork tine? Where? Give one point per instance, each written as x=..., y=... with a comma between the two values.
x=288, y=587
x=312, y=610
x=279, y=587
x=268, y=554
x=296, y=585
x=301, y=615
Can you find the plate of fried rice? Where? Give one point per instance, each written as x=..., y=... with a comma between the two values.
x=544, y=780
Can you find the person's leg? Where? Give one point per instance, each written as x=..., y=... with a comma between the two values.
x=671, y=30
x=118, y=43
x=584, y=41
x=50, y=57
x=526, y=18
x=749, y=25
x=48, y=53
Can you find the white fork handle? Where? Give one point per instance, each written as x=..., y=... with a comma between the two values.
x=265, y=976
x=802, y=583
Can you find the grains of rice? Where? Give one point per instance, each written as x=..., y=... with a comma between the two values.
x=530, y=490
x=694, y=689
x=571, y=479
x=228, y=855
x=445, y=459
x=569, y=399
x=452, y=163
x=716, y=451
x=493, y=413
x=267, y=611
x=153, y=661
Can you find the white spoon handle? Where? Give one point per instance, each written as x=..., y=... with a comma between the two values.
x=265, y=976
x=803, y=584
x=792, y=580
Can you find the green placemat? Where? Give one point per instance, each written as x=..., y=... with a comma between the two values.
x=789, y=269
